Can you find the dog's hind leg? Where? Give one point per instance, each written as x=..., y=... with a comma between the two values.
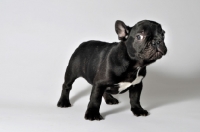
x=109, y=99
x=66, y=87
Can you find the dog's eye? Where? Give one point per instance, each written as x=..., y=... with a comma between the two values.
x=139, y=37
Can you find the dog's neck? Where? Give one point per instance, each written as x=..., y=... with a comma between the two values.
x=120, y=57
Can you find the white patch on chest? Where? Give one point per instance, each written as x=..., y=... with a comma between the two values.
x=125, y=85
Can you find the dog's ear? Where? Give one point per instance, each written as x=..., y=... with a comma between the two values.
x=122, y=30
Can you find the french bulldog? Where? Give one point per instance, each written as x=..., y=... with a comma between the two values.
x=114, y=68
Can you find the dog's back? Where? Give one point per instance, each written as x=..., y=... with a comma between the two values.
x=87, y=58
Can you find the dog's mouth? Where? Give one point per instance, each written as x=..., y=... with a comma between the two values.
x=158, y=55
x=152, y=53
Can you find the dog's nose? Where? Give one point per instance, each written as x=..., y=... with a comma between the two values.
x=156, y=43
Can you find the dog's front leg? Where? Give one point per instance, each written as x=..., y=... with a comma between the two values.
x=92, y=112
x=134, y=94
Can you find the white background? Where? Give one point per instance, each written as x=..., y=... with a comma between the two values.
x=37, y=38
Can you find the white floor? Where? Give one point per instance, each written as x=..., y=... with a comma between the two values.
x=173, y=105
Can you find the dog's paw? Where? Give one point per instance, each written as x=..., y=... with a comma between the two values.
x=112, y=101
x=93, y=116
x=139, y=112
x=63, y=103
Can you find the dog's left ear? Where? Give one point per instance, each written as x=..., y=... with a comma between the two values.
x=122, y=30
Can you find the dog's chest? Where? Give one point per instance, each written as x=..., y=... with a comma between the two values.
x=124, y=85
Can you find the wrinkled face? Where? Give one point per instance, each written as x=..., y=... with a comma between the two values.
x=144, y=41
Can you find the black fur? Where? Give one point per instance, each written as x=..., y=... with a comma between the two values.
x=104, y=65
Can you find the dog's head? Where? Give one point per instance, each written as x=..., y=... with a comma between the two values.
x=144, y=41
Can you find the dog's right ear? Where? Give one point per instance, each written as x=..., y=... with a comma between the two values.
x=122, y=30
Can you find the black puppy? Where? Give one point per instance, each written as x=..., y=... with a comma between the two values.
x=114, y=68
